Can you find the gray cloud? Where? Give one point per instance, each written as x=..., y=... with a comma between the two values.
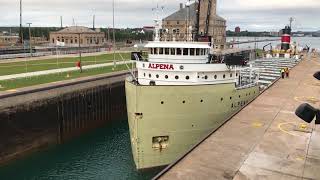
x=248, y=14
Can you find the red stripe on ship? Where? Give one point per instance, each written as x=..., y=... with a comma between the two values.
x=286, y=39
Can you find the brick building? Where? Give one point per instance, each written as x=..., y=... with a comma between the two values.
x=181, y=24
x=71, y=36
x=6, y=40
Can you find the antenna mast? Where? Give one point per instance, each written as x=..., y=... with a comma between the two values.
x=291, y=20
x=157, y=23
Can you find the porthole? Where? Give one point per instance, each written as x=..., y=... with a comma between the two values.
x=187, y=77
x=183, y=102
x=181, y=67
x=157, y=76
x=221, y=99
x=232, y=105
x=230, y=75
x=215, y=76
x=198, y=77
x=149, y=75
x=239, y=96
x=206, y=77
x=201, y=100
x=224, y=76
x=166, y=76
x=143, y=65
x=144, y=74
x=230, y=98
x=162, y=102
x=176, y=77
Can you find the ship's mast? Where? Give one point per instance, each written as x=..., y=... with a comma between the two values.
x=291, y=20
x=157, y=23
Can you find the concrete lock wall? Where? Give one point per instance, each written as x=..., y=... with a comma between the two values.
x=31, y=126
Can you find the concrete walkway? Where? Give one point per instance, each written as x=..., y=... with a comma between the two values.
x=55, y=71
x=264, y=140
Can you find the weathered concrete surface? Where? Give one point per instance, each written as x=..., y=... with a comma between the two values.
x=36, y=117
x=263, y=141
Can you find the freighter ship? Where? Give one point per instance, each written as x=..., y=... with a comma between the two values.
x=178, y=97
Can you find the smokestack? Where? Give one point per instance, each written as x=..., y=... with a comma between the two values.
x=181, y=5
x=94, y=19
x=61, y=22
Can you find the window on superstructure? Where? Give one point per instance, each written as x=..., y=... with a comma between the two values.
x=197, y=52
x=179, y=51
x=155, y=51
x=166, y=51
x=192, y=52
x=185, y=51
x=201, y=52
x=173, y=51
x=160, y=51
x=151, y=50
x=149, y=75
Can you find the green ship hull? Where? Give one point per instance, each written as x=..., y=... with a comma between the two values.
x=166, y=121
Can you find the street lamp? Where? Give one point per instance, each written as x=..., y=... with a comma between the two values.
x=30, y=45
x=317, y=75
x=306, y=112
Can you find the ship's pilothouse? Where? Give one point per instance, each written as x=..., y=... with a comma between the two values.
x=186, y=63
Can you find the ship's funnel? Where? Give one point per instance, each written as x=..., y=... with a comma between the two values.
x=286, y=38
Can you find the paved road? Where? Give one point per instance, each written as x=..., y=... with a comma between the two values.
x=264, y=140
x=54, y=71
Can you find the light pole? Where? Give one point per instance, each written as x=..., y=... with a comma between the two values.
x=30, y=45
x=114, y=37
x=80, y=62
x=20, y=30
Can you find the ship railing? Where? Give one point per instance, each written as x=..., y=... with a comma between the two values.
x=248, y=77
x=130, y=69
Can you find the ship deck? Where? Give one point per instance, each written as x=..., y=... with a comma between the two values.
x=263, y=141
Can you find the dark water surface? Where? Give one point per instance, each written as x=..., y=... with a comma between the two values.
x=103, y=154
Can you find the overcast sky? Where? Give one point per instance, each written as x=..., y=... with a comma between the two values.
x=254, y=15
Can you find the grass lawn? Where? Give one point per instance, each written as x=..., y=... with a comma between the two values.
x=25, y=82
x=47, y=64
